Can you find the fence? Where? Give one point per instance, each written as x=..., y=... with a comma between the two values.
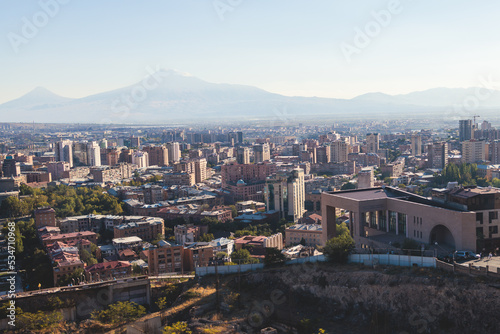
x=393, y=260
x=366, y=259
x=469, y=270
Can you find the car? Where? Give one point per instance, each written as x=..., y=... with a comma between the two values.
x=465, y=255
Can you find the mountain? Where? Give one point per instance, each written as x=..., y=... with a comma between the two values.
x=171, y=96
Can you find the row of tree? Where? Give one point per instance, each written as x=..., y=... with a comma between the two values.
x=67, y=201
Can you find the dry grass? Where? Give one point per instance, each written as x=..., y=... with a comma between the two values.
x=199, y=293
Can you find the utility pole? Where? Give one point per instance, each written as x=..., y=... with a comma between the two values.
x=217, y=297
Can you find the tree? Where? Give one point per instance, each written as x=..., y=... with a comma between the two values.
x=303, y=241
x=234, y=212
x=179, y=327
x=39, y=320
x=348, y=186
x=206, y=237
x=119, y=312
x=242, y=256
x=221, y=255
x=274, y=257
x=338, y=248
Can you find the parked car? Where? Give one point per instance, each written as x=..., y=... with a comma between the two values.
x=465, y=255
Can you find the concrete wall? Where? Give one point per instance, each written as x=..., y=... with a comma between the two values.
x=394, y=260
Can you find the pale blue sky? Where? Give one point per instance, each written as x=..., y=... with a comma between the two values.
x=290, y=47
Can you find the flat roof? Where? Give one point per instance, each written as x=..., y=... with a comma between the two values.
x=369, y=194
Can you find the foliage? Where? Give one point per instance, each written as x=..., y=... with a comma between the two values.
x=274, y=257
x=67, y=201
x=338, y=248
x=465, y=174
x=221, y=255
x=410, y=244
x=234, y=211
x=136, y=269
x=119, y=312
x=348, y=186
x=179, y=327
x=207, y=237
x=86, y=257
x=39, y=320
x=242, y=256
x=71, y=278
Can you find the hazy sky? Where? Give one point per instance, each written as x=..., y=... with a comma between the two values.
x=290, y=47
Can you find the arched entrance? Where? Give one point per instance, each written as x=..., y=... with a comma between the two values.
x=443, y=236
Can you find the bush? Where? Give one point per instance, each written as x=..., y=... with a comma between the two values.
x=39, y=320
x=119, y=312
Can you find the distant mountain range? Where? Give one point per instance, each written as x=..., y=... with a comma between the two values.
x=170, y=96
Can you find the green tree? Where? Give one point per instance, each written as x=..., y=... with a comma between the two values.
x=274, y=257
x=242, y=256
x=118, y=313
x=338, y=248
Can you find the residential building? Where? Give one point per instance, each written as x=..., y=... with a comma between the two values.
x=64, y=151
x=465, y=129
x=339, y=151
x=45, y=216
x=311, y=234
x=165, y=258
x=285, y=193
x=474, y=151
x=243, y=155
x=366, y=178
x=108, y=270
x=372, y=143
x=174, y=152
x=158, y=155
x=416, y=145
x=437, y=155
x=149, y=229
x=197, y=254
x=262, y=153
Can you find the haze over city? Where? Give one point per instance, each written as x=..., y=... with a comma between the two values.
x=249, y=167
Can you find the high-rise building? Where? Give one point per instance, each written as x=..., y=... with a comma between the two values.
x=174, y=152
x=372, y=143
x=158, y=155
x=200, y=170
x=285, y=192
x=416, y=145
x=323, y=154
x=10, y=167
x=465, y=129
x=140, y=159
x=135, y=141
x=64, y=151
x=495, y=151
x=261, y=153
x=366, y=179
x=80, y=157
x=437, y=155
x=339, y=151
x=474, y=151
x=243, y=155
x=93, y=154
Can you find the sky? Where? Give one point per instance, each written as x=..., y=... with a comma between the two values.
x=327, y=48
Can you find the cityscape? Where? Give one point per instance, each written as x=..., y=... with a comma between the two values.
x=357, y=194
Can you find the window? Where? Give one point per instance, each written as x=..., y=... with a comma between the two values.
x=479, y=217
x=492, y=215
x=493, y=230
x=479, y=232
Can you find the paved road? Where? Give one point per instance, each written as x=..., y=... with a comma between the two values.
x=493, y=263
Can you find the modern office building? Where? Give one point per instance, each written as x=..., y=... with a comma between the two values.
x=378, y=214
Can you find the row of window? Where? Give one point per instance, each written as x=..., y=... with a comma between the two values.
x=491, y=216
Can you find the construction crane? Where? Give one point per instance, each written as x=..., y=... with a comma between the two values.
x=475, y=120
